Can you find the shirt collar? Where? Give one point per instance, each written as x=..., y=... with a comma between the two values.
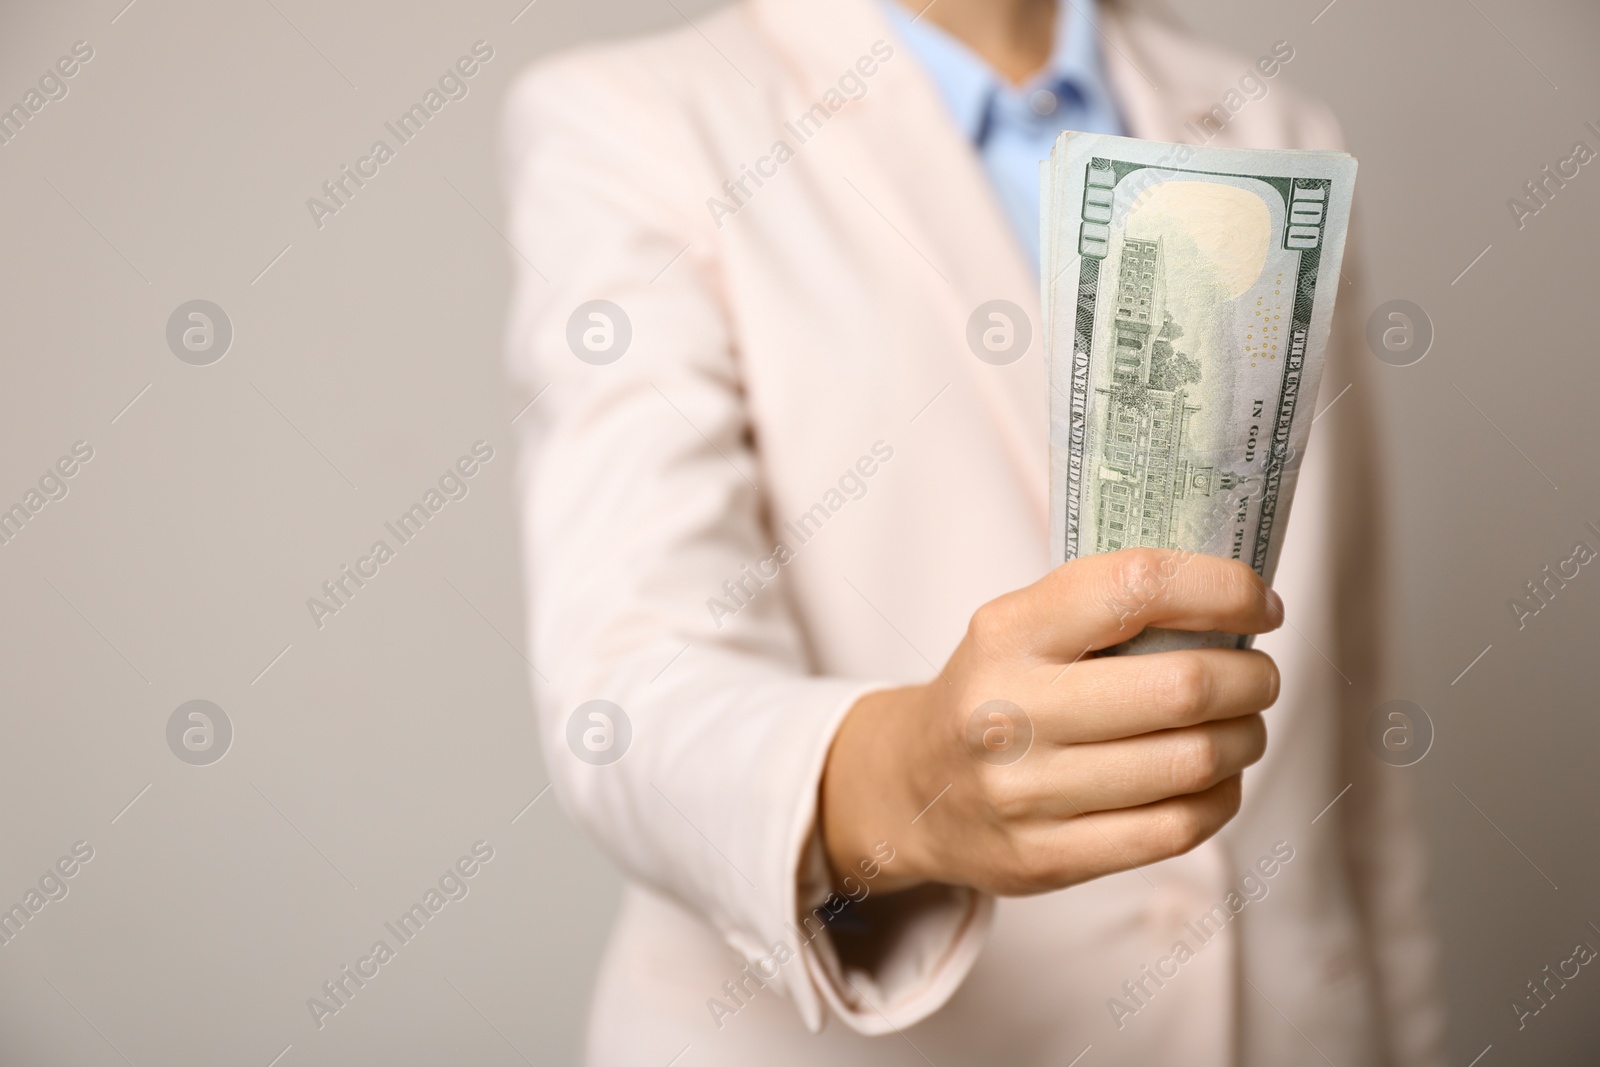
x=969, y=86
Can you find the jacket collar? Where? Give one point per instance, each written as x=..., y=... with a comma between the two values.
x=821, y=39
x=971, y=90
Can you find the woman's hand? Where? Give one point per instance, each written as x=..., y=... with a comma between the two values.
x=1031, y=764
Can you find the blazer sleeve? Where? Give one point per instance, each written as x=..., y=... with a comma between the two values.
x=1380, y=824
x=640, y=489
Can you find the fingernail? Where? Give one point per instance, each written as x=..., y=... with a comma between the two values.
x=1274, y=607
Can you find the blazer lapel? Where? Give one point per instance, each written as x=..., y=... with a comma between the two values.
x=1142, y=60
x=913, y=166
x=1138, y=82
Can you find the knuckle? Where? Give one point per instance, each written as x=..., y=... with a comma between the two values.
x=1185, y=827
x=993, y=623
x=1135, y=578
x=1198, y=762
x=1005, y=797
x=1139, y=564
x=1186, y=688
x=1189, y=822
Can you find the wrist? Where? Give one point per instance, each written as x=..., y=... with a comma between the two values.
x=868, y=802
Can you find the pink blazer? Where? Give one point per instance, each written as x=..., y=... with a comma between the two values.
x=797, y=236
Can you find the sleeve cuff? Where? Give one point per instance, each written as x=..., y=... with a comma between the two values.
x=880, y=962
x=884, y=962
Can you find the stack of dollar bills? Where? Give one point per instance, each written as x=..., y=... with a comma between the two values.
x=1188, y=293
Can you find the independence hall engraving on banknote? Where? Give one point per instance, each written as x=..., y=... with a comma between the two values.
x=1145, y=470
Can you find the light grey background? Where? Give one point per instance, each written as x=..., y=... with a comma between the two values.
x=370, y=754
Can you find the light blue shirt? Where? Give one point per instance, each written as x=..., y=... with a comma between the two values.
x=1013, y=128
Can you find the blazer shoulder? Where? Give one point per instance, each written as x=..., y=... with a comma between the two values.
x=673, y=108
x=651, y=77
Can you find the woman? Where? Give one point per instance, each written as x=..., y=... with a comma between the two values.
x=790, y=532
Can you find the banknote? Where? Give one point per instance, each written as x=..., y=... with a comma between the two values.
x=1188, y=292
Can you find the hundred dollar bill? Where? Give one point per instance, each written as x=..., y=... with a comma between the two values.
x=1188, y=292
